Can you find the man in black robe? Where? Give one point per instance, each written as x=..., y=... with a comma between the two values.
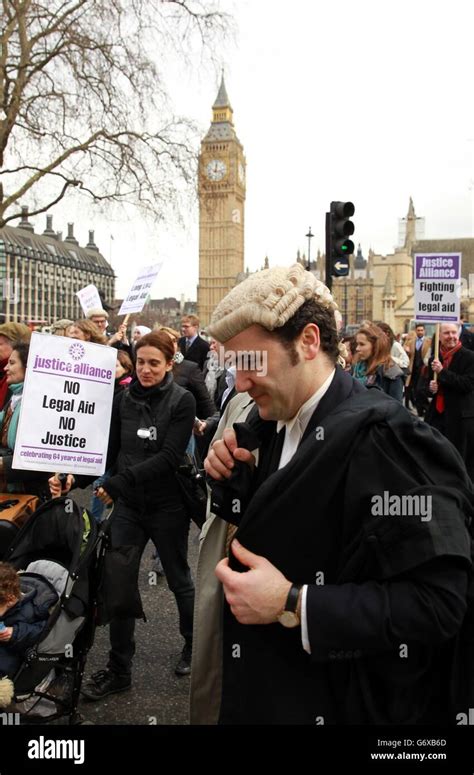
x=345, y=585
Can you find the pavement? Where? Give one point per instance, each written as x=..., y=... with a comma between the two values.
x=157, y=696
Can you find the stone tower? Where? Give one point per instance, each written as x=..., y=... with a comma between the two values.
x=221, y=190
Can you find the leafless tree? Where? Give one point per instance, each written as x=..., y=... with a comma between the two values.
x=84, y=106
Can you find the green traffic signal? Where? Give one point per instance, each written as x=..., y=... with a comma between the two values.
x=341, y=227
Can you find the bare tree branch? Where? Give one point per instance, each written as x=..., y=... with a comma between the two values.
x=83, y=101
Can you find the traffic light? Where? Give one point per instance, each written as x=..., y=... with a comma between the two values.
x=340, y=228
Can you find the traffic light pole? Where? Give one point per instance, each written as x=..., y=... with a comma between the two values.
x=328, y=277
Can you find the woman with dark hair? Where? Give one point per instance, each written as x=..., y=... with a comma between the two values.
x=15, y=479
x=151, y=423
x=374, y=364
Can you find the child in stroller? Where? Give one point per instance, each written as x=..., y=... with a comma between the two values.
x=25, y=605
x=59, y=549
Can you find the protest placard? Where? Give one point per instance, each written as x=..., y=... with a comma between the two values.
x=89, y=298
x=140, y=290
x=437, y=287
x=66, y=406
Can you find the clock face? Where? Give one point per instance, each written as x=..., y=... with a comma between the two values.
x=216, y=169
x=241, y=172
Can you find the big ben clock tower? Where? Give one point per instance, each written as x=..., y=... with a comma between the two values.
x=221, y=192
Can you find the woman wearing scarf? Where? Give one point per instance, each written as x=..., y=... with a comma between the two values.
x=452, y=407
x=14, y=479
x=10, y=333
x=373, y=364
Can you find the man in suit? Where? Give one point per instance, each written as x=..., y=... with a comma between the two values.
x=323, y=587
x=452, y=408
x=418, y=348
x=193, y=347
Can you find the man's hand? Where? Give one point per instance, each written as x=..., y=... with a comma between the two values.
x=433, y=386
x=103, y=496
x=199, y=427
x=55, y=486
x=6, y=634
x=220, y=458
x=437, y=366
x=257, y=596
x=119, y=336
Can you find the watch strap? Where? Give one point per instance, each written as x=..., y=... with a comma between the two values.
x=292, y=599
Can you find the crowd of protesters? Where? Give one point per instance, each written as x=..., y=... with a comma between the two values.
x=177, y=381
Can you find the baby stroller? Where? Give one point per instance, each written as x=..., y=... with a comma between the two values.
x=61, y=544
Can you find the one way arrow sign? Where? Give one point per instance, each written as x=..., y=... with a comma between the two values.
x=340, y=268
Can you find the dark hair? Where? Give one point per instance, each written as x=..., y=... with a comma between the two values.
x=311, y=311
x=9, y=582
x=125, y=361
x=22, y=348
x=160, y=340
x=351, y=344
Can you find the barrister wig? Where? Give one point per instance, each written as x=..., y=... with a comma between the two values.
x=268, y=298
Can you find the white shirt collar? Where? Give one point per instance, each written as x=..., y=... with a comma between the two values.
x=296, y=427
x=230, y=376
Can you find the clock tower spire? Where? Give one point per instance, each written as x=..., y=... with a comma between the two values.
x=221, y=190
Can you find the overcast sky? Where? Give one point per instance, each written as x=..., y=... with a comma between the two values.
x=369, y=101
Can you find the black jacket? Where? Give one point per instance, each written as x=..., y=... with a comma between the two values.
x=197, y=352
x=189, y=376
x=144, y=467
x=467, y=339
x=375, y=583
x=458, y=387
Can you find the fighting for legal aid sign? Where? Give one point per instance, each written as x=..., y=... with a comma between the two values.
x=66, y=406
x=438, y=283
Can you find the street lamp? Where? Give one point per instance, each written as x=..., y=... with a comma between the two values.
x=310, y=237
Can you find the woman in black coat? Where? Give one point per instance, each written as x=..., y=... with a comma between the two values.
x=151, y=424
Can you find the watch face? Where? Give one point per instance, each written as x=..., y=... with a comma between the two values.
x=241, y=172
x=216, y=169
x=289, y=619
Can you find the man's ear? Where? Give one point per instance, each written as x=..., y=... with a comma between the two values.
x=310, y=340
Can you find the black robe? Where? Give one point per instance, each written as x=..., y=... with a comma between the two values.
x=386, y=594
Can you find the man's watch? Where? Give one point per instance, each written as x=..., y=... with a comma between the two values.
x=289, y=616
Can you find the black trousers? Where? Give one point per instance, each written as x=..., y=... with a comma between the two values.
x=168, y=529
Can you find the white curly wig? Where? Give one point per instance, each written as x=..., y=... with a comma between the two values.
x=268, y=298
